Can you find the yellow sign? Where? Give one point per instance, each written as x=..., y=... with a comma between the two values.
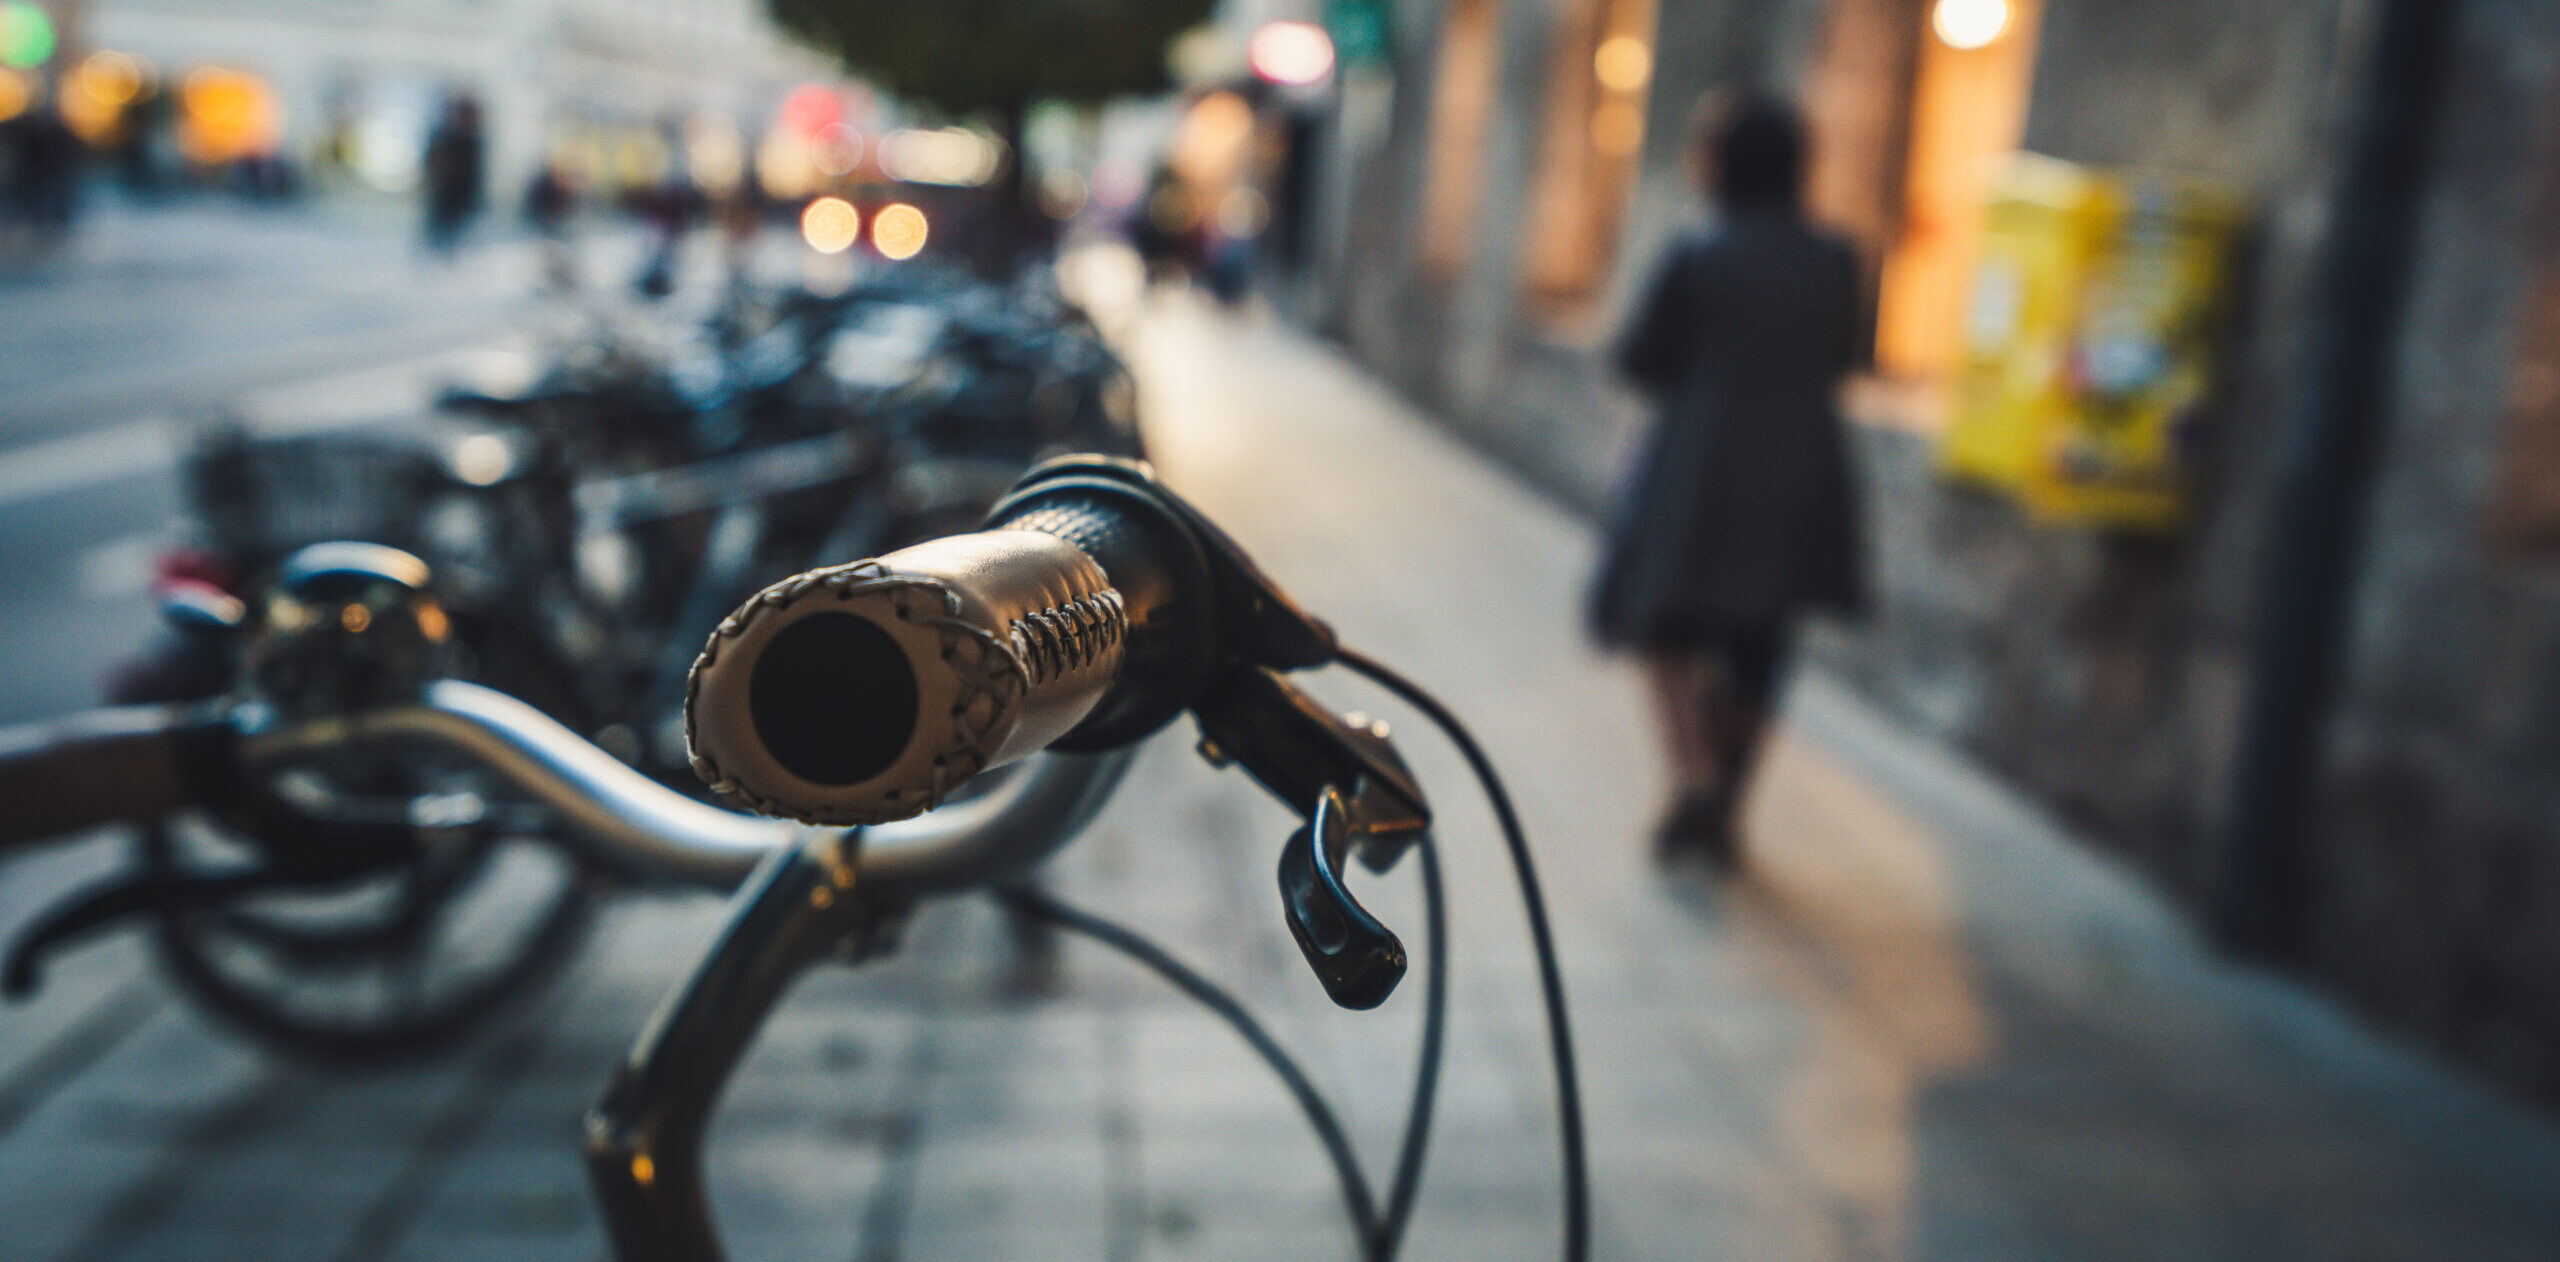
x=2097, y=308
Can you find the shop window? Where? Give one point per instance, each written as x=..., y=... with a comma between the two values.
x=1461, y=107
x=1858, y=102
x=1968, y=112
x=1588, y=150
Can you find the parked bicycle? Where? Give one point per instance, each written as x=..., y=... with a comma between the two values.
x=1094, y=609
x=584, y=534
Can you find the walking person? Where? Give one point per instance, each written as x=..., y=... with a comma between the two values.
x=1741, y=518
x=456, y=163
x=549, y=201
x=668, y=209
x=40, y=158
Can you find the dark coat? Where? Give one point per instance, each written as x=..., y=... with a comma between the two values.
x=1741, y=514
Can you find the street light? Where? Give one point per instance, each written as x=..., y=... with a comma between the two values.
x=1969, y=24
x=898, y=231
x=1291, y=54
x=830, y=225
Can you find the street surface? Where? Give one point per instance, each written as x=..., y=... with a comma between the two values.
x=1927, y=1025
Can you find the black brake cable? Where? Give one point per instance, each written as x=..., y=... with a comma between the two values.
x=1337, y=1145
x=1577, y=1185
x=1380, y=1237
x=1426, y=1075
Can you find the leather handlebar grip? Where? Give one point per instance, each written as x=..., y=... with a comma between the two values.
x=865, y=693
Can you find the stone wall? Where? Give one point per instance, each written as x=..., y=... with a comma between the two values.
x=2108, y=675
x=2437, y=877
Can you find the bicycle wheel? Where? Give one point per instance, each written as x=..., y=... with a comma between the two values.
x=394, y=965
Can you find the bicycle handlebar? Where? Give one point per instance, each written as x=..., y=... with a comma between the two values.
x=141, y=763
x=626, y=818
x=616, y=812
x=100, y=767
x=1092, y=608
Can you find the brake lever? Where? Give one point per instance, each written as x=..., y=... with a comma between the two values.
x=1358, y=797
x=1358, y=959
x=305, y=851
x=1253, y=717
x=101, y=905
x=1340, y=773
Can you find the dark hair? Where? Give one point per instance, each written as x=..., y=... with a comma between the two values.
x=1752, y=151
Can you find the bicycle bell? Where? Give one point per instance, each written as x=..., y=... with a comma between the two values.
x=349, y=626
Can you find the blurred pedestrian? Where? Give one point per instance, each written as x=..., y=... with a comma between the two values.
x=743, y=208
x=548, y=203
x=668, y=209
x=43, y=175
x=1164, y=228
x=137, y=148
x=1741, y=517
x=456, y=173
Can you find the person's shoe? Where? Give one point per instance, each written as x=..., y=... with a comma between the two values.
x=1681, y=839
x=1698, y=833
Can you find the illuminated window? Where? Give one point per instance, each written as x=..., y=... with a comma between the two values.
x=1857, y=103
x=1461, y=104
x=1968, y=111
x=1593, y=136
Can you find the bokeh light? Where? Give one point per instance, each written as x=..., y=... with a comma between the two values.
x=782, y=165
x=1290, y=53
x=1969, y=24
x=1063, y=194
x=17, y=92
x=640, y=159
x=1210, y=143
x=481, y=459
x=898, y=231
x=111, y=78
x=1617, y=128
x=810, y=109
x=713, y=152
x=831, y=225
x=26, y=35
x=1117, y=182
x=1623, y=63
x=836, y=150
x=99, y=90
x=390, y=140
x=953, y=156
x=227, y=115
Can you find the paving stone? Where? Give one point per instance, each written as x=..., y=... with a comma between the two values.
x=1925, y=1025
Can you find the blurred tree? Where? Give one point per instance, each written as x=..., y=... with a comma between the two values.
x=998, y=57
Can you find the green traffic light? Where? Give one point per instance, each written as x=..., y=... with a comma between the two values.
x=26, y=36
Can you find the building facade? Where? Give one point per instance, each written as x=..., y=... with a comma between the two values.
x=1522, y=170
x=360, y=84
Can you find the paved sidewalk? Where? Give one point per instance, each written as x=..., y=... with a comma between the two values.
x=1925, y=1026
x=1928, y=1025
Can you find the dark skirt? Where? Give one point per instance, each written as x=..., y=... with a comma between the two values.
x=1748, y=533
